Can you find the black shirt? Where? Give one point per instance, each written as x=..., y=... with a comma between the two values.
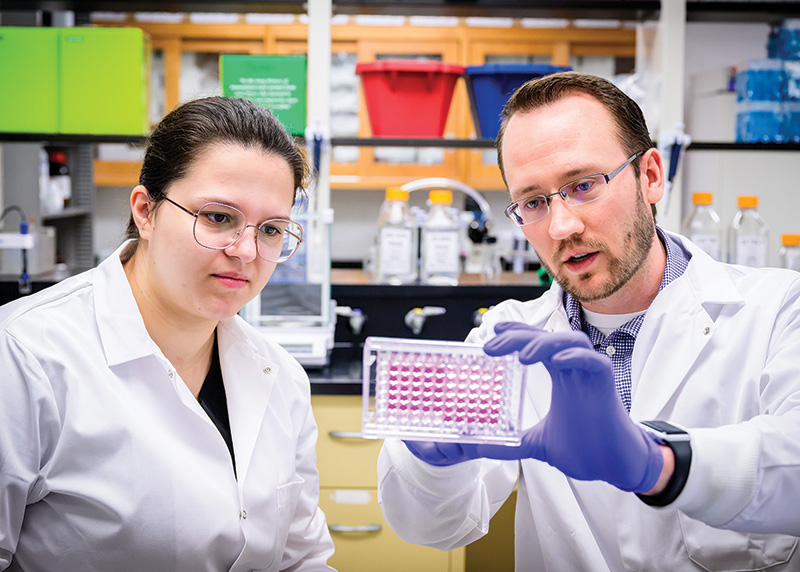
x=214, y=402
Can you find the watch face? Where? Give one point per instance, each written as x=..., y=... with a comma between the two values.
x=664, y=427
x=664, y=431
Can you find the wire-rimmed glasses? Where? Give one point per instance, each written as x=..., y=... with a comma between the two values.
x=219, y=226
x=578, y=192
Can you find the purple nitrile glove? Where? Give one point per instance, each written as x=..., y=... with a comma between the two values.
x=587, y=434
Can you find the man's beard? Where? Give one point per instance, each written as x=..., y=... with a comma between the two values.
x=638, y=242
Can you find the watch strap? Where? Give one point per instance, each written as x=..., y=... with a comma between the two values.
x=682, y=451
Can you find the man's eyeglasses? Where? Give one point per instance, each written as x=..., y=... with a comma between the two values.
x=578, y=192
x=218, y=226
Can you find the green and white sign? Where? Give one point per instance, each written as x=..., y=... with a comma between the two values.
x=275, y=82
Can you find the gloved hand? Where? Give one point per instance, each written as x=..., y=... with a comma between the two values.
x=587, y=434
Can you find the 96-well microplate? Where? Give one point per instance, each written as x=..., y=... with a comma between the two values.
x=443, y=391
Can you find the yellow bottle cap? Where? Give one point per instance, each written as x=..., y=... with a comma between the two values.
x=441, y=197
x=747, y=201
x=396, y=194
x=790, y=239
x=702, y=198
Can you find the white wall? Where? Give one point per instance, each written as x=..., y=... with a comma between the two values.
x=112, y=210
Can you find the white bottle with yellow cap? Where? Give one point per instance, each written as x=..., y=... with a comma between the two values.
x=748, y=235
x=441, y=247
x=397, y=240
x=790, y=251
x=703, y=227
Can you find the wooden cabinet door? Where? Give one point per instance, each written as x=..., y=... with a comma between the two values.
x=365, y=543
x=344, y=458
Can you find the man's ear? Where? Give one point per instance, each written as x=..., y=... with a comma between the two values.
x=651, y=174
x=141, y=209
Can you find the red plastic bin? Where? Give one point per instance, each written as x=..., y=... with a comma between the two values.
x=408, y=98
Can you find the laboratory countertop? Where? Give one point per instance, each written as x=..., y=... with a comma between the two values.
x=343, y=373
x=357, y=277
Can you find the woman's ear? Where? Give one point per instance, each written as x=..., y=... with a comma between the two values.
x=141, y=209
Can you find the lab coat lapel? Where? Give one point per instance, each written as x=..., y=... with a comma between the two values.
x=249, y=379
x=553, y=318
x=678, y=326
x=668, y=345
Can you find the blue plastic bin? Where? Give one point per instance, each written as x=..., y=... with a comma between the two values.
x=491, y=85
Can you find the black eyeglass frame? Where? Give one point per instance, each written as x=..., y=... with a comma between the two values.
x=241, y=232
x=517, y=219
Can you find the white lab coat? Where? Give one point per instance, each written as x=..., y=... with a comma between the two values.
x=107, y=461
x=718, y=353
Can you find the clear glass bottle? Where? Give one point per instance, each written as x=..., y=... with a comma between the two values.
x=491, y=269
x=790, y=251
x=441, y=255
x=703, y=227
x=748, y=235
x=397, y=240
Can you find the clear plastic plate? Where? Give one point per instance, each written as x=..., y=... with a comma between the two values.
x=440, y=391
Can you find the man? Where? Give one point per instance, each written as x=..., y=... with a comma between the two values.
x=640, y=324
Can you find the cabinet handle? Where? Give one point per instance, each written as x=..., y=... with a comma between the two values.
x=346, y=434
x=361, y=528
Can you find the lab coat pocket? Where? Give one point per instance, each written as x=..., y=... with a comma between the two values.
x=718, y=549
x=288, y=497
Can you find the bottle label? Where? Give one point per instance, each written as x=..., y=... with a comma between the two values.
x=709, y=243
x=751, y=251
x=441, y=254
x=395, y=251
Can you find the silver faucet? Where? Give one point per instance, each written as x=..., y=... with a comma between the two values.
x=415, y=317
x=356, y=318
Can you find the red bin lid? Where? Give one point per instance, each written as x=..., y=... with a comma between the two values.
x=408, y=66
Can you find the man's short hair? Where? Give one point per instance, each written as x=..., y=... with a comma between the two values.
x=632, y=131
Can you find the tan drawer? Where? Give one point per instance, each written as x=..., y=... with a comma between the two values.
x=344, y=459
x=364, y=542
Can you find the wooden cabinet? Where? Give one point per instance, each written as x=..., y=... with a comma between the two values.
x=349, y=496
x=369, y=167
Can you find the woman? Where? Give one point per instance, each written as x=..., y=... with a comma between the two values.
x=143, y=424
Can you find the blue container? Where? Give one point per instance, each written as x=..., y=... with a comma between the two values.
x=787, y=42
x=491, y=85
x=792, y=70
x=761, y=80
x=761, y=122
x=792, y=121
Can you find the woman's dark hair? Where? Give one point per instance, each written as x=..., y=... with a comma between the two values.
x=632, y=132
x=187, y=131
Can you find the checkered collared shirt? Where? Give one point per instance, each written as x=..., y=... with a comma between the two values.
x=619, y=344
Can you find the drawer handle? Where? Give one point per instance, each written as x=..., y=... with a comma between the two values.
x=346, y=434
x=361, y=528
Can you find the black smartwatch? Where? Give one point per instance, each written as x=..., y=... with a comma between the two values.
x=676, y=439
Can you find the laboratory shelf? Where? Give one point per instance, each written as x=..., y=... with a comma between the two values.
x=70, y=212
x=712, y=146
x=412, y=142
